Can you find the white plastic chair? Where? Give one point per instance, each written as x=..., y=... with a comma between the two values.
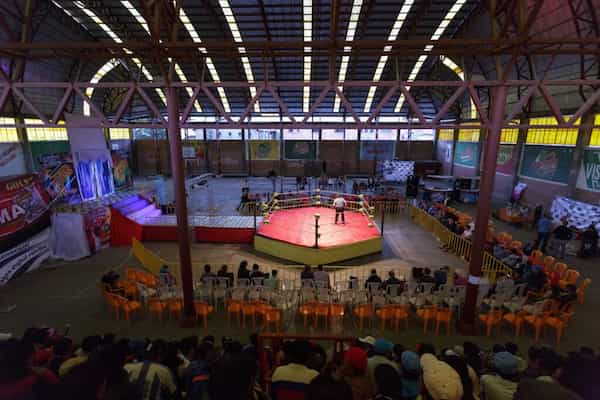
x=310, y=283
x=242, y=282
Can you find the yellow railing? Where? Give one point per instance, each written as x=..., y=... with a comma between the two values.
x=461, y=247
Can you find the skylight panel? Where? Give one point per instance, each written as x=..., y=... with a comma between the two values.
x=307, y=10
x=400, y=18
x=237, y=37
x=436, y=35
x=350, y=32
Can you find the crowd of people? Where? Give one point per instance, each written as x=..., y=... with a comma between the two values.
x=44, y=364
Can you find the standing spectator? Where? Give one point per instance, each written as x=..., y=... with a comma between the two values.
x=537, y=213
x=391, y=280
x=307, y=273
x=373, y=278
x=355, y=189
x=152, y=379
x=544, y=227
x=321, y=275
x=503, y=384
x=256, y=272
x=165, y=277
x=273, y=280
x=382, y=354
x=589, y=242
x=562, y=234
x=207, y=275
x=243, y=272
x=354, y=372
x=289, y=381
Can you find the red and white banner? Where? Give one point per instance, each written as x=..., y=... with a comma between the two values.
x=23, y=210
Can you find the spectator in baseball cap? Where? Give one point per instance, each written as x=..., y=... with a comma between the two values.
x=382, y=354
x=354, y=372
x=503, y=384
x=411, y=375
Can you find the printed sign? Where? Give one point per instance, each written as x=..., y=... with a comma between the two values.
x=300, y=150
x=506, y=159
x=264, y=150
x=466, y=154
x=23, y=209
x=121, y=170
x=97, y=228
x=25, y=257
x=548, y=163
x=11, y=159
x=378, y=150
x=589, y=173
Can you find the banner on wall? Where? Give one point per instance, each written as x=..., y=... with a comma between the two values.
x=264, y=150
x=58, y=175
x=300, y=150
x=506, y=159
x=24, y=257
x=578, y=214
x=49, y=154
x=589, y=173
x=97, y=228
x=23, y=209
x=377, y=150
x=547, y=163
x=466, y=154
x=12, y=161
x=121, y=170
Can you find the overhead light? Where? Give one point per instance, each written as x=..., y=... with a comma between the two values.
x=436, y=35
x=394, y=32
x=307, y=10
x=350, y=32
x=237, y=37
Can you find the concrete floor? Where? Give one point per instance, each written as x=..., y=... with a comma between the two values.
x=67, y=293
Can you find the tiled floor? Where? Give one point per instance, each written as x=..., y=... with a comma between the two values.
x=66, y=292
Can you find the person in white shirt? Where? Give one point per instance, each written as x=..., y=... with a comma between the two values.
x=321, y=275
x=339, y=203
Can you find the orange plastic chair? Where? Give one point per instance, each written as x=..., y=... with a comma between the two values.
x=307, y=310
x=248, y=310
x=443, y=316
x=129, y=306
x=561, y=268
x=561, y=321
x=386, y=313
x=427, y=314
x=337, y=311
x=362, y=312
x=401, y=314
x=581, y=290
x=516, y=244
x=175, y=307
x=156, y=306
x=548, y=263
x=131, y=274
x=234, y=307
x=260, y=309
x=537, y=321
x=491, y=320
x=114, y=302
x=570, y=278
x=537, y=257
x=321, y=310
x=202, y=310
x=516, y=320
x=273, y=316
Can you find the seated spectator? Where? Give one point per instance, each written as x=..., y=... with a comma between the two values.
x=326, y=387
x=62, y=351
x=88, y=345
x=536, y=279
x=536, y=389
x=152, y=378
x=18, y=379
x=416, y=274
x=468, y=381
x=440, y=380
x=500, y=251
x=110, y=281
x=388, y=385
x=391, y=280
x=382, y=354
x=366, y=343
x=243, y=272
x=589, y=242
x=373, y=278
x=513, y=349
x=503, y=383
x=273, y=280
x=207, y=275
x=256, y=273
x=234, y=378
x=289, y=381
x=224, y=274
x=512, y=259
x=441, y=276
x=354, y=373
x=196, y=376
x=410, y=375
x=165, y=277
x=427, y=277
x=307, y=273
x=321, y=275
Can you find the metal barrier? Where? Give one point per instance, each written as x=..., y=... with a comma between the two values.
x=459, y=246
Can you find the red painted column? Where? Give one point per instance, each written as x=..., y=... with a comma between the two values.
x=183, y=234
x=467, y=322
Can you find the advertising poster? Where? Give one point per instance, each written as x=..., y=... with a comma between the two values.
x=97, y=228
x=506, y=159
x=121, y=170
x=300, y=150
x=24, y=257
x=589, y=173
x=23, y=209
x=264, y=150
x=547, y=163
x=377, y=150
x=12, y=161
x=466, y=154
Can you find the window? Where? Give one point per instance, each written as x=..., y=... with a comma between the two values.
x=552, y=136
x=148, y=133
x=418, y=134
x=300, y=134
x=223, y=134
x=8, y=135
x=351, y=134
x=332, y=134
x=446, y=135
x=192, y=134
x=119, y=134
x=468, y=135
x=368, y=134
x=263, y=134
x=45, y=134
x=509, y=135
x=595, y=138
x=387, y=134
